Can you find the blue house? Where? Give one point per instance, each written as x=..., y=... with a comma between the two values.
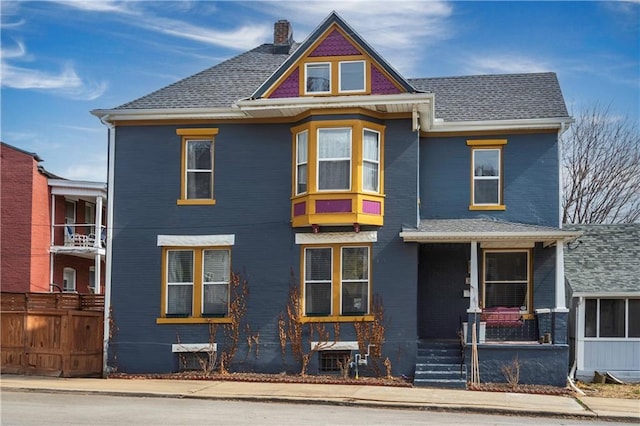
x=376, y=220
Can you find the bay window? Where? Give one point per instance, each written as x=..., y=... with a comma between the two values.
x=334, y=159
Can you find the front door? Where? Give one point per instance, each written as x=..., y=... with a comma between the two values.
x=442, y=305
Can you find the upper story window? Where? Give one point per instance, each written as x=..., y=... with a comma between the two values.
x=486, y=174
x=371, y=160
x=335, y=77
x=302, y=155
x=334, y=159
x=197, y=166
x=318, y=78
x=352, y=76
x=507, y=281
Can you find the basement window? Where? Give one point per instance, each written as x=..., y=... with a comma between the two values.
x=333, y=362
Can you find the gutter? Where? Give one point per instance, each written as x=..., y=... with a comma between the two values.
x=444, y=237
x=519, y=124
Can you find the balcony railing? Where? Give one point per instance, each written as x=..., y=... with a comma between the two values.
x=79, y=235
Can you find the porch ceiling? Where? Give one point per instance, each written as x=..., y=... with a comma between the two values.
x=467, y=230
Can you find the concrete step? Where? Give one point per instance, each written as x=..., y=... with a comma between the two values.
x=441, y=383
x=438, y=367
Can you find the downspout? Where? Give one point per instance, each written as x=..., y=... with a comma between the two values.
x=109, y=246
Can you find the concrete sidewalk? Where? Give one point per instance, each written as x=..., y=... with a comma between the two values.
x=372, y=396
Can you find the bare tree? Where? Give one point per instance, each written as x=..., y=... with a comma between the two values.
x=601, y=168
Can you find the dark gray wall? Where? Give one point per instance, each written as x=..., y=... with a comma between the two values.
x=252, y=187
x=530, y=179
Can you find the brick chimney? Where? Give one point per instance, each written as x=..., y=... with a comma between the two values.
x=282, y=36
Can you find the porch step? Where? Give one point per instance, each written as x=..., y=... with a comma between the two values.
x=439, y=364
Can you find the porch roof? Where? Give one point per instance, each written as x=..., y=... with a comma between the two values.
x=483, y=229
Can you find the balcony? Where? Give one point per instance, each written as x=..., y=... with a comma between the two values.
x=79, y=239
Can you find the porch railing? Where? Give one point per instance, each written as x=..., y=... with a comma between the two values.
x=79, y=235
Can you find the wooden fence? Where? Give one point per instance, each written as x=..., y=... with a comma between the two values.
x=58, y=334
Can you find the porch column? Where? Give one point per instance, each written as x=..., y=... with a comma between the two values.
x=98, y=272
x=561, y=303
x=98, y=224
x=473, y=279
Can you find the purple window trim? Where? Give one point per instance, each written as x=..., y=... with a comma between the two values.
x=371, y=207
x=300, y=209
x=333, y=206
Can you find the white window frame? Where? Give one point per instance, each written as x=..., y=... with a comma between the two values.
x=306, y=76
x=184, y=283
x=626, y=320
x=364, y=77
x=302, y=163
x=69, y=280
x=319, y=160
x=476, y=179
x=305, y=281
x=376, y=162
x=187, y=170
x=368, y=279
x=217, y=283
x=528, y=279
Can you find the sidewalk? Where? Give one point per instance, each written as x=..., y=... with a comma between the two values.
x=373, y=396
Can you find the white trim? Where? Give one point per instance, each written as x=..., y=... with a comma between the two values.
x=507, y=244
x=473, y=281
x=364, y=76
x=532, y=123
x=112, y=115
x=607, y=295
x=306, y=72
x=561, y=303
x=337, y=237
x=194, y=347
x=334, y=346
x=442, y=237
x=196, y=240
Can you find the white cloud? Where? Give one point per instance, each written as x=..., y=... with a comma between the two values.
x=98, y=6
x=505, y=64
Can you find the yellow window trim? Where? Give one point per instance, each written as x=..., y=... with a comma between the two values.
x=196, y=303
x=336, y=318
x=336, y=272
x=487, y=144
x=530, y=271
x=187, y=134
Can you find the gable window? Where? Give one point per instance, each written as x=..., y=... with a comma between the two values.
x=370, y=160
x=486, y=174
x=197, y=166
x=336, y=281
x=334, y=159
x=318, y=78
x=612, y=318
x=302, y=143
x=352, y=76
x=196, y=273
x=507, y=280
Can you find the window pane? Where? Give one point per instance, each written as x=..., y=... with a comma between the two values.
x=370, y=176
x=506, y=266
x=370, y=143
x=351, y=76
x=486, y=162
x=199, y=185
x=486, y=191
x=634, y=318
x=179, y=299
x=334, y=175
x=510, y=295
x=334, y=143
x=180, y=266
x=355, y=298
x=612, y=317
x=355, y=263
x=590, y=318
x=199, y=154
x=318, y=78
x=216, y=266
x=216, y=299
x=302, y=147
x=318, y=298
x=302, y=179
x=318, y=264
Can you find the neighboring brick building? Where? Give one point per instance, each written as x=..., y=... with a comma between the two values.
x=44, y=249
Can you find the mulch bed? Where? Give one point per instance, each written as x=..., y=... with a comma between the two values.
x=335, y=380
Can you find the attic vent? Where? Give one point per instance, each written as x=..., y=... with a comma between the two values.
x=282, y=36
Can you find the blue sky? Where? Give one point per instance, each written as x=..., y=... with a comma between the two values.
x=62, y=59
